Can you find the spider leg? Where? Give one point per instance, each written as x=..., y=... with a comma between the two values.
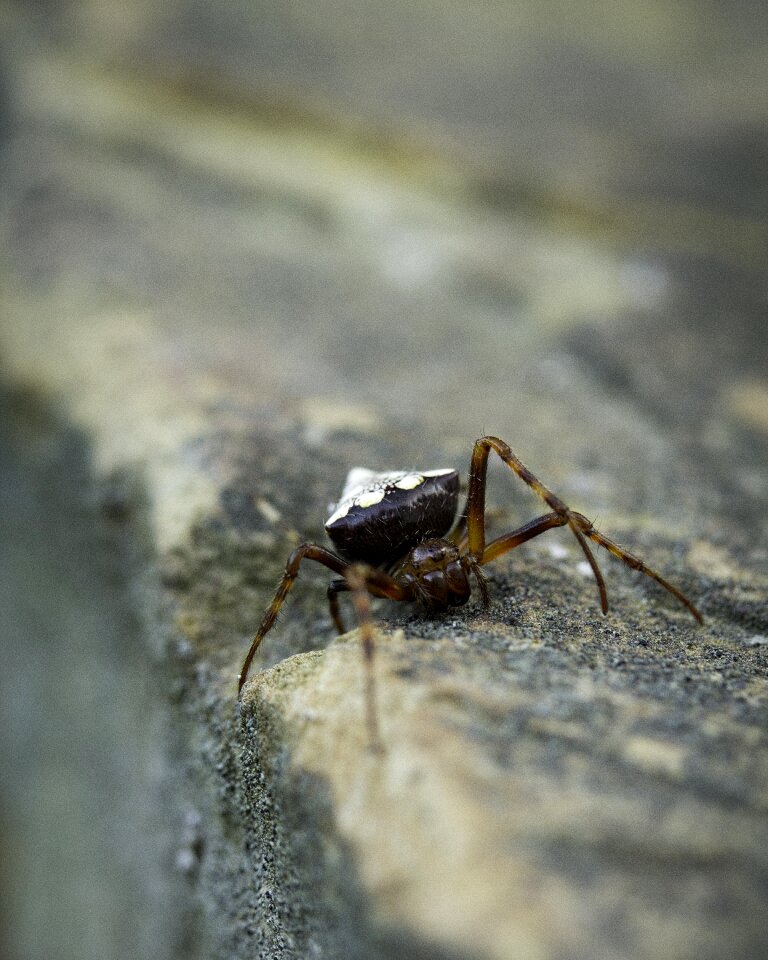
x=335, y=587
x=635, y=563
x=536, y=527
x=509, y=541
x=378, y=583
x=308, y=551
x=482, y=583
x=357, y=582
x=458, y=534
x=363, y=580
x=475, y=508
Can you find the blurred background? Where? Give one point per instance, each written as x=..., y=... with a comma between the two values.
x=411, y=222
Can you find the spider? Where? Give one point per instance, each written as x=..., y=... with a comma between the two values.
x=396, y=537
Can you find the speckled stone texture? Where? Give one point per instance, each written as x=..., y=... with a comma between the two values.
x=249, y=246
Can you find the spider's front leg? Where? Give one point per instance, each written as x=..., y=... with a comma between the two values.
x=362, y=580
x=305, y=551
x=359, y=579
x=635, y=563
x=560, y=517
x=475, y=509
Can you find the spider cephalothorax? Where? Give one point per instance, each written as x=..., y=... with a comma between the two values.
x=396, y=536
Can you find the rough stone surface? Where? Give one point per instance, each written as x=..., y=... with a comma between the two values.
x=246, y=249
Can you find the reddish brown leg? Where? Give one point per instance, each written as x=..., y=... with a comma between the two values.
x=362, y=580
x=309, y=551
x=536, y=527
x=635, y=563
x=509, y=541
x=336, y=587
x=378, y=583
x=475, y=510
x=357, y=578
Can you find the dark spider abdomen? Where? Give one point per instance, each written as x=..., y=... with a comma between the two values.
x=382, y=516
